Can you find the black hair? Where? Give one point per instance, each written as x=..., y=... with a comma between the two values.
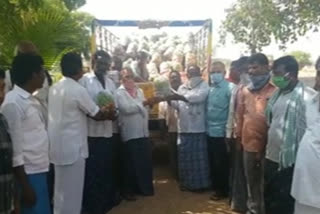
x=2, y=74
x=23, y=67
x=290, y=64
x=194, y=67
x=71, y=64
x=100, y=54
x=259, y=58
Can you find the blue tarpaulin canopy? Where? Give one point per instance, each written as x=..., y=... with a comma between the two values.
x=151, y=23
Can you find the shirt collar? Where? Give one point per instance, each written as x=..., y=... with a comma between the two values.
x=20, y=91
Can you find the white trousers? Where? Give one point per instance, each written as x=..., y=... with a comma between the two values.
x=304, y=209
x=68, y=189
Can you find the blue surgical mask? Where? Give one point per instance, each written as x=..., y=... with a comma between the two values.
x=258, y=82
x=216, y=78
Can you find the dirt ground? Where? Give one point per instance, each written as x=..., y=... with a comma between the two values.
x=169, y=199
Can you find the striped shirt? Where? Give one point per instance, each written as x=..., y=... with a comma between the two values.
x=6, y=173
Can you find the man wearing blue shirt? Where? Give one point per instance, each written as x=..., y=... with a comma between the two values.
x=217, y=116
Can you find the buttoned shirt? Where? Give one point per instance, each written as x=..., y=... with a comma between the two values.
x=251, y=121
x=192, y=114
x=94, y=87
x=27, y=130
x=133, y=116
x=218, y=108
x=69, y=105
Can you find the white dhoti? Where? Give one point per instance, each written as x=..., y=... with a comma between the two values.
x=305, y=209
x=68, y=190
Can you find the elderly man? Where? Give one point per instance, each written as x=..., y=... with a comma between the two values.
x=217, y=117
x=286, y=115
x=192, y=143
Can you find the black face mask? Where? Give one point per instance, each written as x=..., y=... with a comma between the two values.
x=259, y=81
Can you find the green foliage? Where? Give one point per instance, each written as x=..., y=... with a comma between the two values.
x=51, y=27
x=257, y=22
x=249, y=22
x=302, y=57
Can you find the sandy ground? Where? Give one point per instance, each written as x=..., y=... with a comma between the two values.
x=169, y=199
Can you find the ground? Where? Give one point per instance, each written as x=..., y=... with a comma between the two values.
x=169, y=199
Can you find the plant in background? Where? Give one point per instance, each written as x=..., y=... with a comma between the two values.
x=303, y=58
x=48, y=24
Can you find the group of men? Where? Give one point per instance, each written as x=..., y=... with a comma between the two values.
x=255, y=122
x=252, y=137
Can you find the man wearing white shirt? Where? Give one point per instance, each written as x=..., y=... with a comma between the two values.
x=305, y=184
x=133, y=120
x=69, y=106
x=193, y=163
x=29, y=136
x=99, y=183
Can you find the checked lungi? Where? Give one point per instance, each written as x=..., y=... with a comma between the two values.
x=193, y=161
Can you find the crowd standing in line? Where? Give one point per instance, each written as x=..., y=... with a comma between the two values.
x=252, y=137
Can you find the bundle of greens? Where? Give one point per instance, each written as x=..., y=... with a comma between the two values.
x=104, y=99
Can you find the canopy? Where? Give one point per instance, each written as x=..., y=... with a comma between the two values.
x=151, y=23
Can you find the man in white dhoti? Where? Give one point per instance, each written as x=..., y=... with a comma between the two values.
x=69, y=106
x=306, y=179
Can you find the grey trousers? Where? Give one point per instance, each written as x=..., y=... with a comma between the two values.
x=238, y=193
x=254, y=172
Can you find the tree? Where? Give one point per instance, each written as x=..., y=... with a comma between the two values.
x=256, y=22
x=302, y=57
x=252, y=22
x=51, y=27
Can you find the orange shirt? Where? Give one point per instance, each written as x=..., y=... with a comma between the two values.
x=251, y=121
